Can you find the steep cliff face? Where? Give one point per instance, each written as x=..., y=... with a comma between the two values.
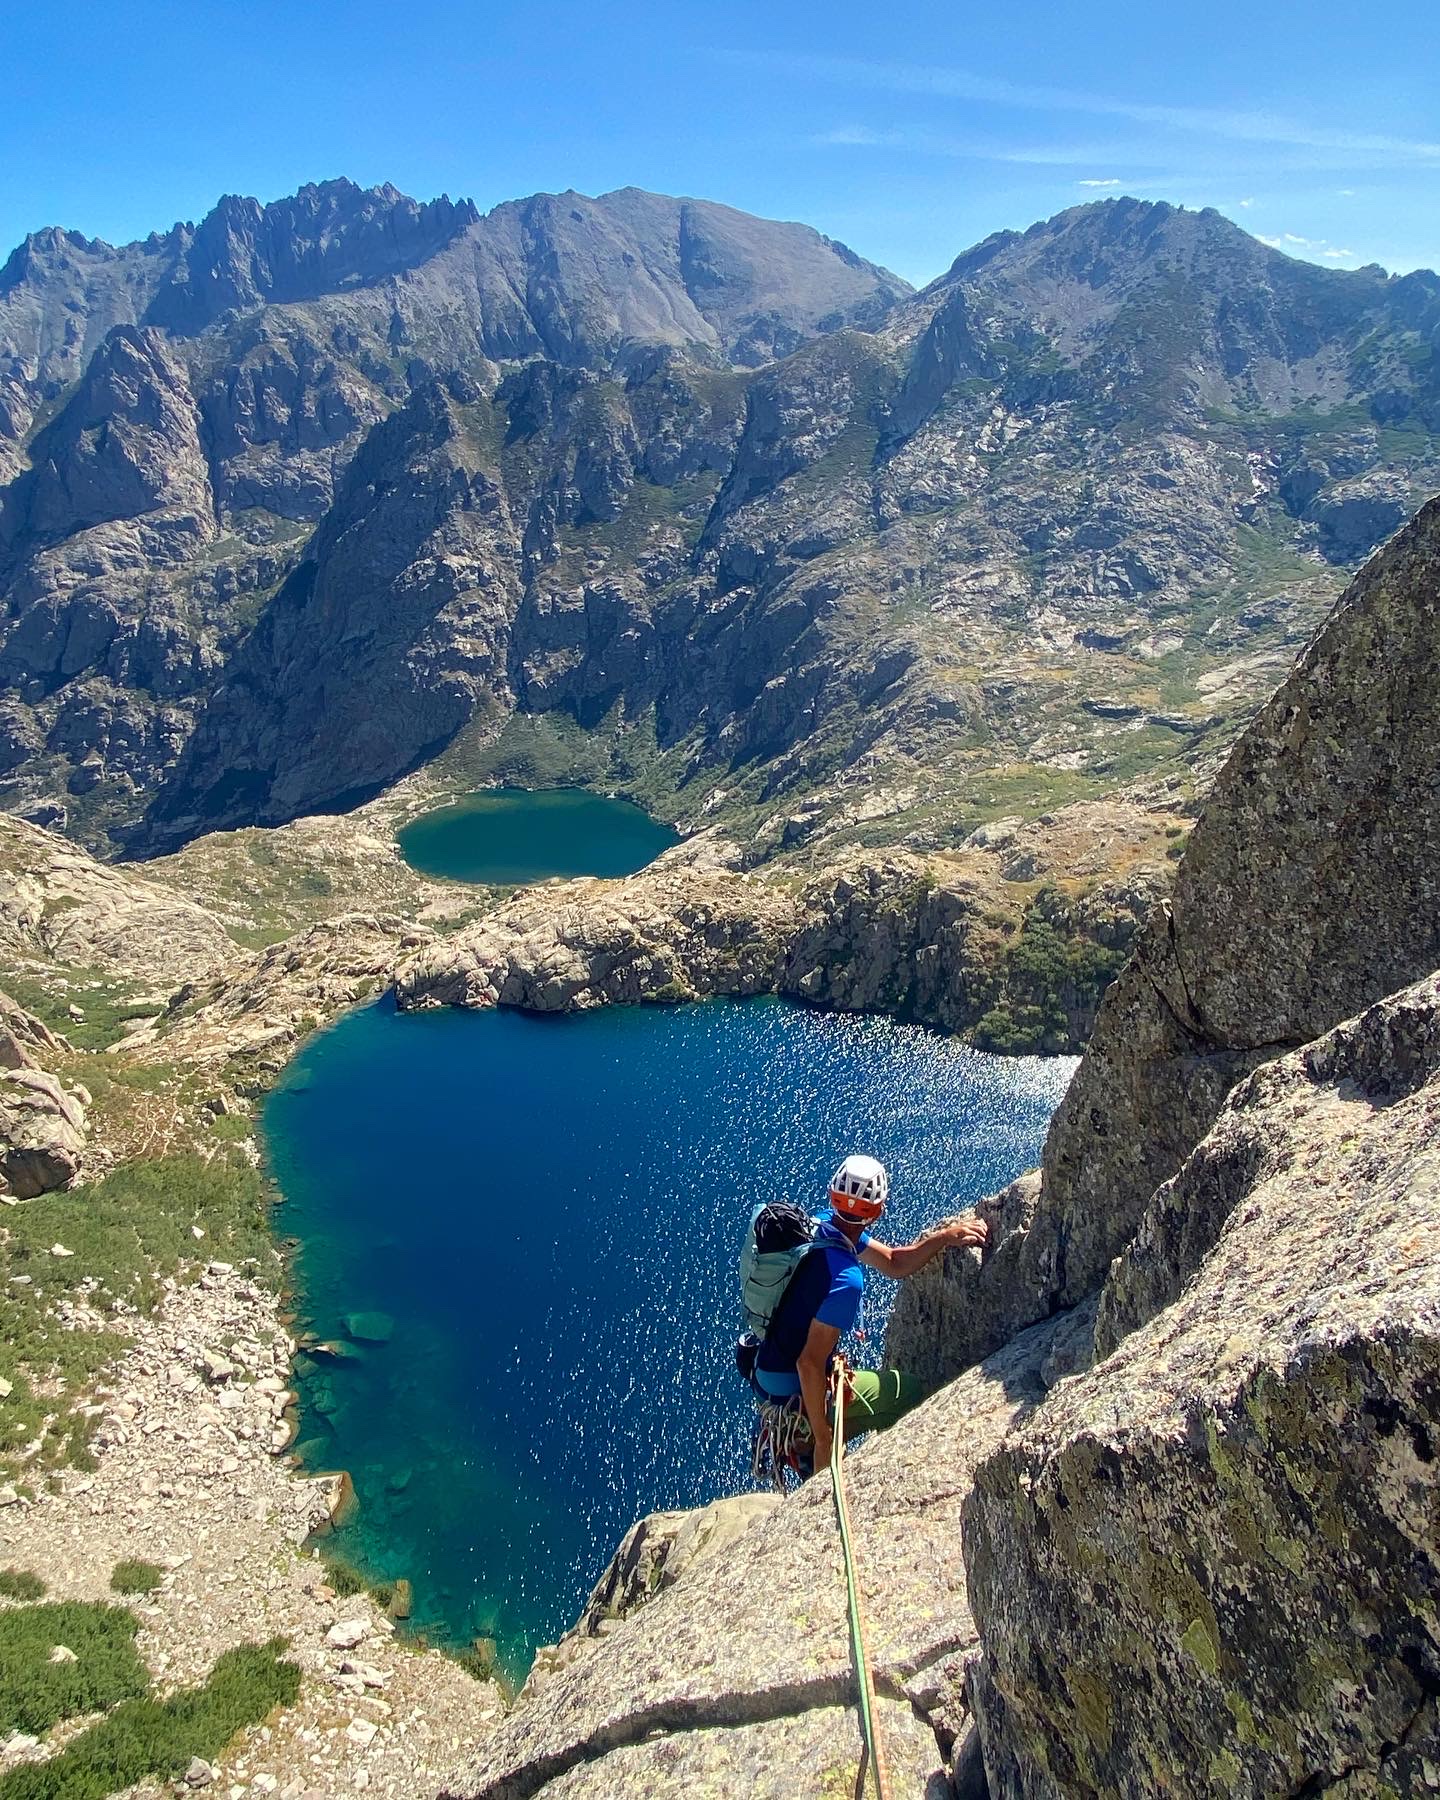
x=1208, y=1565
x=1307, y=891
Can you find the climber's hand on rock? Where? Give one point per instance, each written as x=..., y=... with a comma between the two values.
x=972, y=1232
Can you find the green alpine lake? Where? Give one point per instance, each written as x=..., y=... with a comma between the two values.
x=509, y=836
x=520, y=1234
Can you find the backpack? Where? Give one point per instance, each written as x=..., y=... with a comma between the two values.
x=775, y=1244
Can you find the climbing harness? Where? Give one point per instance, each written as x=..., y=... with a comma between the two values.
x=869, y=1725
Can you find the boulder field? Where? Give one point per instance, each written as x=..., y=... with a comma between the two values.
x=1168, y=1524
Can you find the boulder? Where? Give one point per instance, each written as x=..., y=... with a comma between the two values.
x=42, y=1122
x=1209, y=1566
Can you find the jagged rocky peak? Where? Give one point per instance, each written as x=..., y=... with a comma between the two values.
x=586, y=279
x=330, y=236
x=128, y=443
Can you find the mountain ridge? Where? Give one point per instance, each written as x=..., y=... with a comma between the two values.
x=777, y=527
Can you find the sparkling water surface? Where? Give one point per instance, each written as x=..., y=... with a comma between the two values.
x=512, y=835
x=550, y=1210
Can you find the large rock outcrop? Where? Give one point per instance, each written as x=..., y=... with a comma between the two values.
x=1308, y=890
x=1210, y=1566
x=60, y=906
x=926, y=941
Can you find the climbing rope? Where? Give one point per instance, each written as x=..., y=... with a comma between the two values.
x=868, y=1724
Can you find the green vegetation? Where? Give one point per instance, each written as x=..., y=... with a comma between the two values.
x=127, y=1232
x=347, y=1581
x=551, y=749
x=135, y=1577
x=20, y=1584
x=155, y=1738
x=36, y=1693
x=108, y=1006
x=1046, y=980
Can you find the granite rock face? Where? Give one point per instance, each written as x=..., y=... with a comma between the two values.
x=1209, y=1565
x=891, y=934
x=1308, y=890
x=60, y=906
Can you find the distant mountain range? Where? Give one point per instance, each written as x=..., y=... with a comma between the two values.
x=310, y=493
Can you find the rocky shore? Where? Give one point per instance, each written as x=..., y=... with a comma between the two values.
x=189, y=1474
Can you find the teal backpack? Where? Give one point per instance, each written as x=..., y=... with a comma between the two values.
x=776, y=1242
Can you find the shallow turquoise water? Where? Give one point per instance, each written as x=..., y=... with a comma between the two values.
x=508, y=835
x=550, y=1210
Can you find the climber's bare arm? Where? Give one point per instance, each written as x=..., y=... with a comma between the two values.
x=811, y=1368
x=899, y=1260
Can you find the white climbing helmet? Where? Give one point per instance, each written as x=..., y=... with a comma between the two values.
x=859, y=1189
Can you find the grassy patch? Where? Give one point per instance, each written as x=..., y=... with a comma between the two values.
x=108, y=1005
x=1048, y=982
x=36, y=1693
x=20, y=1584
x=347, y=1581
x=133, y=1576
x=126, y=1233
x=158, y=1738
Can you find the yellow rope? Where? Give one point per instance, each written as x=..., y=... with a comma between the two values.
x=869, y=1725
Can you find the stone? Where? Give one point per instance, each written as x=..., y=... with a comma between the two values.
x=199, y=1773
x=62, y=1653
x=370, y=1327
x=361, y=1732
x=347, y=1633
x=402, y=1599
x=1168, y=1558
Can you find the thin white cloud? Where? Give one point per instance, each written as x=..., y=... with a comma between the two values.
x=1213, y=122
x=1245, y=203
x=858, y=137
x=1291, y=242
x=1110, y=181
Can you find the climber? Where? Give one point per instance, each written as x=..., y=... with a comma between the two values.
x=823, y=1301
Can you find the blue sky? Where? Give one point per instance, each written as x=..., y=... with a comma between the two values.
x=908, y=130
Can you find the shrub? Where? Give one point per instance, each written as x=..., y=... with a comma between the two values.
x=36, y=1693
x=347, y=1580
x=147, y=1737
x=135, y=1577
x=20, y=1584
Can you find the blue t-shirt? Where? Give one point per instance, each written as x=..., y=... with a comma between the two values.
x=829, y=1285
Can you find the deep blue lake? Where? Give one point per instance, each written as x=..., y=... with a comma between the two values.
x=550, y=1210
x=508, y=836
